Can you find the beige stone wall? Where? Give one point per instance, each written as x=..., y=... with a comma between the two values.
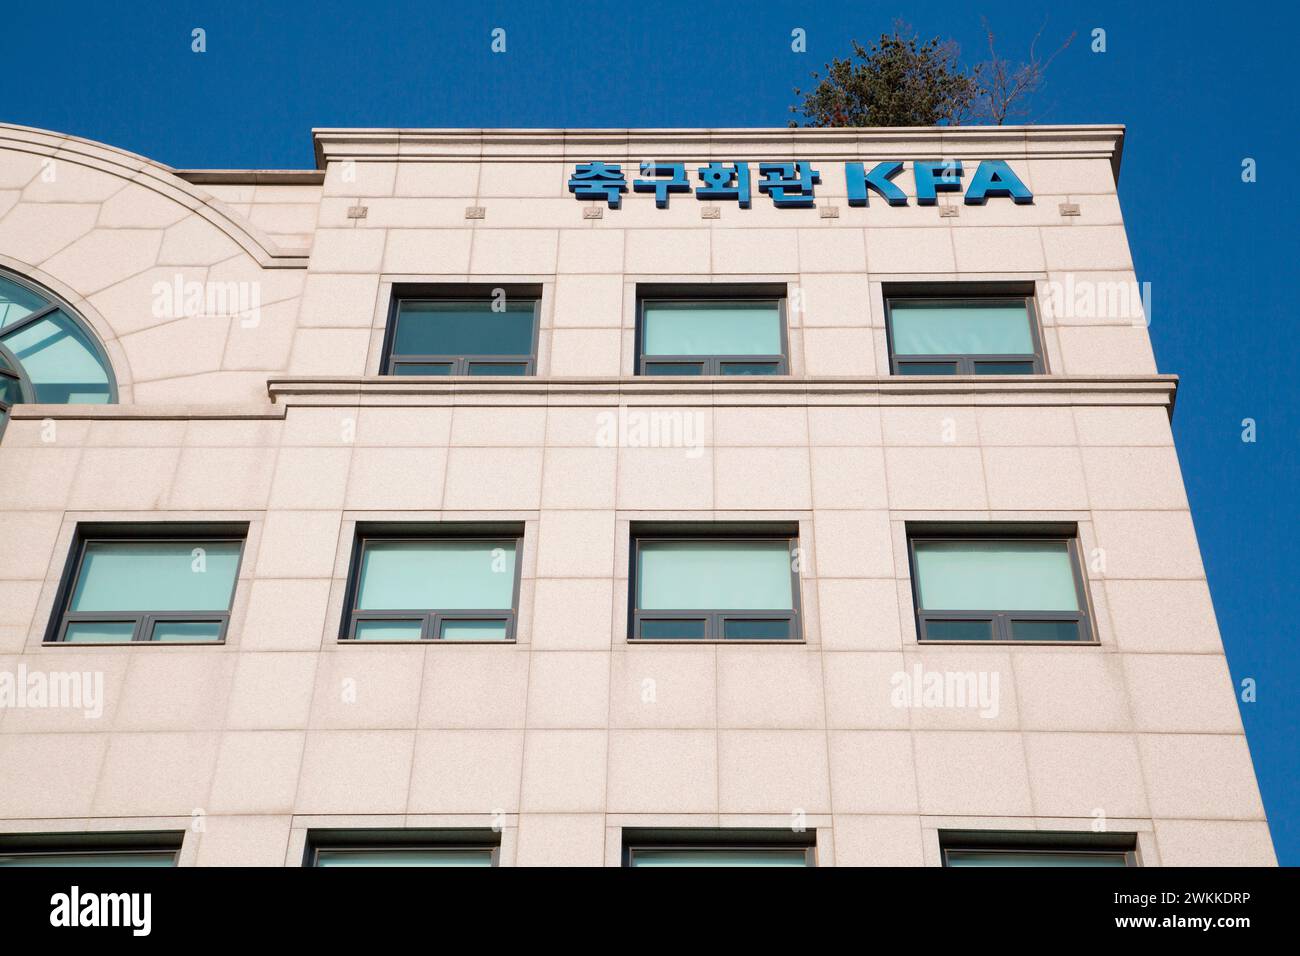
x=250, y=743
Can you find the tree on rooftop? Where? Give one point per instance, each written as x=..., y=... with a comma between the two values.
x=901, y=81
x=897, y=81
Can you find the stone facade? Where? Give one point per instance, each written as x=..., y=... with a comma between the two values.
x=282, y=420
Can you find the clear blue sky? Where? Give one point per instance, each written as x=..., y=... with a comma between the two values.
x=1200, y=86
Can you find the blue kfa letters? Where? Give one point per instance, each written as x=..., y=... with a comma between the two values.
x=791, y=184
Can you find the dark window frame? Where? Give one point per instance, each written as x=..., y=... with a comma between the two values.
x=715, y=619
x=143, y=620
x=713, y=838
x=713, y=292
x=469, y=840
x=1001, y=622
x=949, y=294
x=472, y=293
x=1038, y=841
x=54, y=303
x=94, y=843
x=431, y=619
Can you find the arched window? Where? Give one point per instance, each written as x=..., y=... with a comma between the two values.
x=46, y=353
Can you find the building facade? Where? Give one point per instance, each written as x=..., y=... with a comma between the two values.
x=599, y=497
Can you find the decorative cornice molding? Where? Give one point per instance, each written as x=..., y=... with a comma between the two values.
x=566, y=145
x=1151, y=390
x=158, y=178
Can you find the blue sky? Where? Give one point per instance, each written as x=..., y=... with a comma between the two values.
x=1199, y=87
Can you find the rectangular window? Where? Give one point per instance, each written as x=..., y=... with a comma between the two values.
x=707, y=332
x=718, y=848
x=411, y=587
x=974, y=848
x=90, y=849
x=463, y=330
x=969, y=335
x=402, y=848
x=998, y=588
x=699, y=587
x=139, y=583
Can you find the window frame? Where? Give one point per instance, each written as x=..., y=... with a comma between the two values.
x=714, y=619
x=96, y=843
x=455, y=293
x=371, y=840
x=54, y=303
x=431, y=619
x=1067, y=842
x=966, y=364
x=637, y=839
x=711, y=365
x=1001, y=621
x=143, y=620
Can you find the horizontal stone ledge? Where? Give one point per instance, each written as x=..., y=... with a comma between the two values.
x=564, y=145
x=159, y=412
x=1148, y=390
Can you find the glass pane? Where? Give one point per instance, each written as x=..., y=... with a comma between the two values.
x=673, y=368
x=17, y=302
x=672, y=629
x=472, y=630
x=1034, y=858
x=1004, y=368
x=145, y=858
x=707, y=856
x=437, y=575
x=714, y=575
x=457, y=856
x=187, y=631
x=958, y=630
x=980, y=575
x=412, y=368
x=464, y=328
x=156, y=576
x=1046, y=631
x=10, y=391
x=389, y=630
x=972, y=327
x=98, y=632
x=498, y=368
x=749, y=368
x=62, y=363
x=748, y=630
x=927, y=368
x=712, y=328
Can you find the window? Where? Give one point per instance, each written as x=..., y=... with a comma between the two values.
x=705, y=587
x=46, y=354
x=702, y=331
x=1021, y=586
x=1038, y=848
x=402, y=848
x=90, y=849
x=409, y=586
x=710, y=848
x=967, y=335
x=139, y=584
x=462, y=330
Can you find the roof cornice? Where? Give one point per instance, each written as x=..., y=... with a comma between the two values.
x=856, y=143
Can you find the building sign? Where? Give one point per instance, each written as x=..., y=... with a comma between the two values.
x=791, y=185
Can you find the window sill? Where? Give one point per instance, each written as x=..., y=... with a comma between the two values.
x=85, y=645
x=352, y=642
x=692, y=641
x=1006, y=643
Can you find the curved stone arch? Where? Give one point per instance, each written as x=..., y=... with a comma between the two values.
x=156, y=177
x=55, y=303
